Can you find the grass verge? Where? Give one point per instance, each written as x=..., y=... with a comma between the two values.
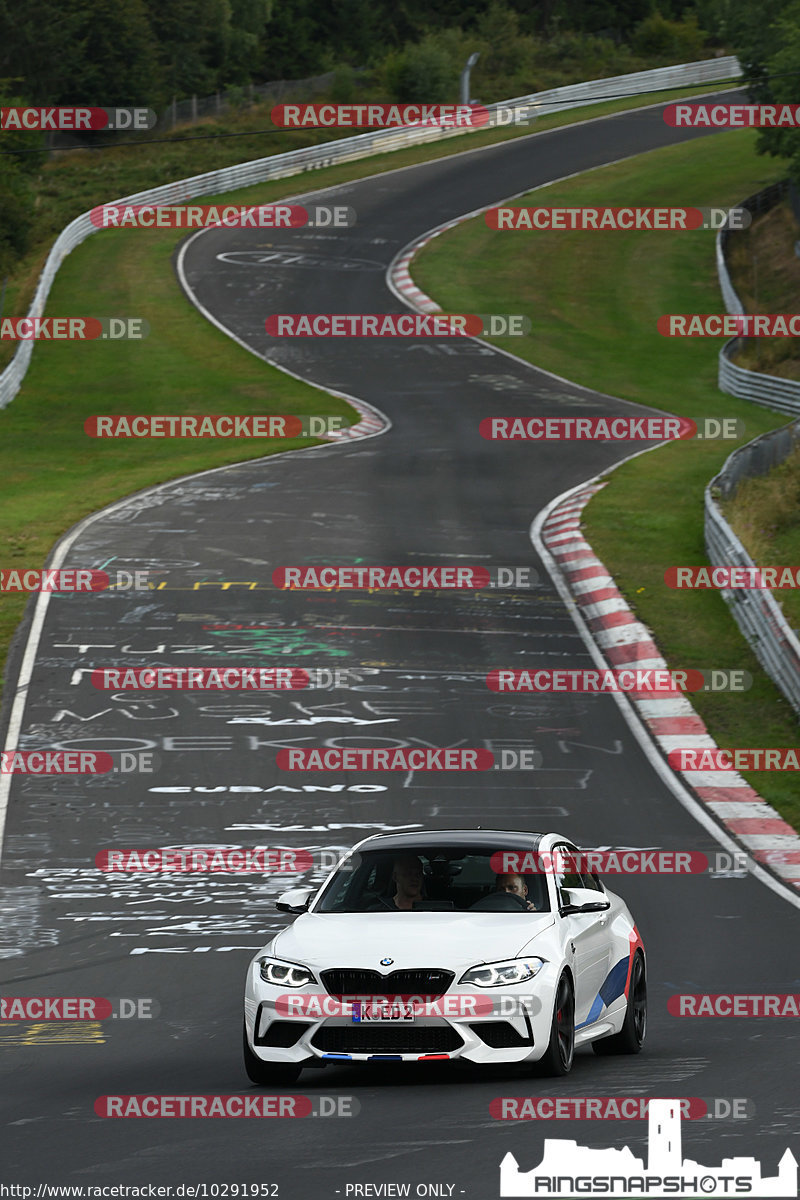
x=651, y=514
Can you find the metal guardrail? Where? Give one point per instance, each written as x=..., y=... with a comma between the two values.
x=279, y=166
x=770, y=391
x=756, y=612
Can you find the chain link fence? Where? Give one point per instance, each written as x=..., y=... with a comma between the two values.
x=181, y=112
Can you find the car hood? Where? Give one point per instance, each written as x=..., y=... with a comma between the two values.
x=411, y=939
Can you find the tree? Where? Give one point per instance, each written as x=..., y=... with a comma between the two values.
x=768, y=46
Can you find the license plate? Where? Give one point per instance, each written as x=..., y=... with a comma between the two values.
x=363, y=1013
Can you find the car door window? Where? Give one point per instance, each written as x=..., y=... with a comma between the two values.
x=565, y=880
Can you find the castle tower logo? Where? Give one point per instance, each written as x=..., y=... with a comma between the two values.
x=570, y=1170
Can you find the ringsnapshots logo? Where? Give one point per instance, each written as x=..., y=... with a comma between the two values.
x=76, y=119
x=572, y=1171
x=619, y=219
x=397, y=325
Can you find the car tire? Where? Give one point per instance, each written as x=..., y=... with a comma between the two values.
x=557, y=1059
x=267, y=1074
x=634, y=1027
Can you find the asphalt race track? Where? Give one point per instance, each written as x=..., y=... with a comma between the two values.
x=430, y=490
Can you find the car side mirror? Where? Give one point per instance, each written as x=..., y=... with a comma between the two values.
x=580, y=900
x=295, y=901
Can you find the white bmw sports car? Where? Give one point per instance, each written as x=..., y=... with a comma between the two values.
x=479, y=945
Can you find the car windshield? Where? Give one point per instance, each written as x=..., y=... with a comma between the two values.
x=420, y=879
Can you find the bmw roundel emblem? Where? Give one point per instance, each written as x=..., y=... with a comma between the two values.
x=386, y=962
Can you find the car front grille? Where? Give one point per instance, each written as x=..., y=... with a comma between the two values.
x=387, y=1039
x=421, y=981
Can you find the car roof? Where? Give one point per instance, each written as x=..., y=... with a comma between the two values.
x=477, y=838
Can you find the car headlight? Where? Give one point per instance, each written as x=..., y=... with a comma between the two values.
x=516, y=970
x=284, y=974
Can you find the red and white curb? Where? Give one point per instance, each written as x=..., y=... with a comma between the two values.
x=372, y=422
x=672, y=721
x=399, y=276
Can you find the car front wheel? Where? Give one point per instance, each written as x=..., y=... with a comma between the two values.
x=267, y=1074
x=557, y=1059
x=630, y=1037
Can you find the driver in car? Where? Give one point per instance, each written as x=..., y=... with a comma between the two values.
x=516, y=886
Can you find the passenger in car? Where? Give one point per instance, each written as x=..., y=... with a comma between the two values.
x=408, y=878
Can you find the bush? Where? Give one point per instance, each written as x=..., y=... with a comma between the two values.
x=658, y=37
x=423, y=71
x=16, y=214
x=343, y=88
